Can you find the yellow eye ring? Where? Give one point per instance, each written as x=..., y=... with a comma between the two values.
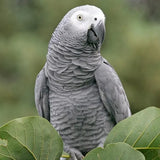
x=80, y=17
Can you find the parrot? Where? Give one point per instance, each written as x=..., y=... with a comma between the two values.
x=77, y=90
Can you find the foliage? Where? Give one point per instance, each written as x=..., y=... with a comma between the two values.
x=114, y=151
x=141, y=131
x=33, y=138
x=29, y=138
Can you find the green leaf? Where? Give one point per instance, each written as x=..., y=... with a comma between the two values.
x=12, y=149
x=115, y=151
x=151, y=154
x=141, y=131
x=36, y=135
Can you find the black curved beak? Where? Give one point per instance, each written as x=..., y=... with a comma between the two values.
x=96, y=34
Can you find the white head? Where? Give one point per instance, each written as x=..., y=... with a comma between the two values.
x=85, y=16
x=81, y=26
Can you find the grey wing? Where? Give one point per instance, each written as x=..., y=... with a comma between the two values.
x=111, y=91
x=42, y=95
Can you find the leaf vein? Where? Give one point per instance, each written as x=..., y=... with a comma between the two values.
x=153, y=139
x=142, y=133
x=6, y=155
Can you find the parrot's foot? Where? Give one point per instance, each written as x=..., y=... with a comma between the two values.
x=74, y=153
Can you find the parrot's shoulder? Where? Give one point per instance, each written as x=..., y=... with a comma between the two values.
x=106, y=72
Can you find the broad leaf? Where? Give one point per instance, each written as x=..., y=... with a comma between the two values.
x=141, y=131
x=36, y=135
x=151, y=154
x=12, y=149
x=120, y=151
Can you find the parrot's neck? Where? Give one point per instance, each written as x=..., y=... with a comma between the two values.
x=71, y=68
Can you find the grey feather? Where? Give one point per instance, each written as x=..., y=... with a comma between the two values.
x=112, y=92
x=41, y=95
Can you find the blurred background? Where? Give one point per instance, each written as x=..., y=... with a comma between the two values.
x=132, y=46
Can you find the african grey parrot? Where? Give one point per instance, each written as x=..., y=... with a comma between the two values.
x=77, y=90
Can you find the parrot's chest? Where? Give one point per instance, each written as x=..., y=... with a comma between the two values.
x=80, y=116
x=78, y=107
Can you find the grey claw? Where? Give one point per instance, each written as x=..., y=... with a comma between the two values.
x=74, y=154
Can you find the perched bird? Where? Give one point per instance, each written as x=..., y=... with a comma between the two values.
x=77, y=90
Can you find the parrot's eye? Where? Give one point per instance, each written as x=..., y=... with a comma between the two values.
x=80, y=17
